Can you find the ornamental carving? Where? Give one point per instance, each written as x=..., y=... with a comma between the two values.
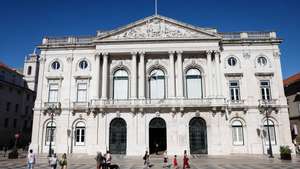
x=158, y=29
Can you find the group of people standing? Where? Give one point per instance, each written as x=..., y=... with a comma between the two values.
x=53, y=160
x=103, y=161
x=166, y=164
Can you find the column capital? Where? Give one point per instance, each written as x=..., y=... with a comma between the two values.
x=142, y=52
x=179, y=52
x=209, y=52
x=216, y=52
x=133, y=53
x=104, y=54
x=171, y=52
x=97, y=54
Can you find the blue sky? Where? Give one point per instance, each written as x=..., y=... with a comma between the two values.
x=23, y=23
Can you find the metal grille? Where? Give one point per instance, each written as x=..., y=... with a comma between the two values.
x=198, y=136
x=117, y=136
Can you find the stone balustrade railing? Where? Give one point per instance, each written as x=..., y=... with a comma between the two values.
x=248, y=35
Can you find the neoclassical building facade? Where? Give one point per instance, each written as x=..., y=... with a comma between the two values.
x=160, y=84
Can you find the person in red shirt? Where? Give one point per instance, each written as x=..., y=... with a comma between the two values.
x=175, y=163
x=185, y=160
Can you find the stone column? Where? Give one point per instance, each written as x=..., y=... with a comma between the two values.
x=171, y=75
x=180, y=74
x=142, y=76
x=96, y=77
x=104, y=76
x=218, y=74
x=133, y=76
x=209, y=74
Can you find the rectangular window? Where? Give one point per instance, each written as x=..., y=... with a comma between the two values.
x=15, y=123
x=25, y=125
x=237, y=134
x=79, y=136
x=6, y=121
x=17, y=108
x=234, y=89
x=272, y=135
x=8, y=106
x=48, y=135
x=81, y=92
x=53, y=93
x=265, y=90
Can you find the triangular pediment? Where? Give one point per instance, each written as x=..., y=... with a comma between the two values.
x=157, y=28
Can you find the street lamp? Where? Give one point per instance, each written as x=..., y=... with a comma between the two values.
x=267, y=109
x=51, y=114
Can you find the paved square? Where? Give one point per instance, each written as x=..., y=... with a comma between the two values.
x=197, y=162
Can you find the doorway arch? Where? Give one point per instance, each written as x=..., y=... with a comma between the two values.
x=157, y=135
x=117, y=136
x=198, y=136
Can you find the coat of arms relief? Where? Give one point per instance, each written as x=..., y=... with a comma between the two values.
x=157, y=29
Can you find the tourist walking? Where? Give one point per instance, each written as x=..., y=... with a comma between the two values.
x=107, y=159
x=30, y=159
x=185, y=160
x=166, y=164
x=63, y=161
x=53, y=161
x=175, y=163
x=146, y=159
x=100, y=160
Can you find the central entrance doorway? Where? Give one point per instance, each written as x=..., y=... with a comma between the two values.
x=117, y=136
x=198, y=136
x=157, y=136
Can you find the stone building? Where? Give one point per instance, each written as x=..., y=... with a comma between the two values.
x=161, y=82
x=292, y=92
x=17, y=96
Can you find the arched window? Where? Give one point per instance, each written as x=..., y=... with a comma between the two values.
x=157, y=84
x=29, y=70
x=50, y=133
x=193, y=84
x=271, y=125
x=237, y=133
x=55, y=65
x=231, y=61
x=80, y=134
x=262, y=61
x=83, y=64
x=120, y=81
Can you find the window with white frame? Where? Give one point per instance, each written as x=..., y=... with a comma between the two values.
x=50, y=130
x=53, y=92
x=271, y=125
x=231, y=61
x=81, y=92
x=157, y=84
x=265, y=89
x=55, y=65
x=120, y=81
x=83, y=64
x=80, y=134
x=193, y=84
x=234, y=89
x=237, y=132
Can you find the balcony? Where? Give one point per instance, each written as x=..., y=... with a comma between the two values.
x=81, y=106
x=161, y=103
x=270, y=102
x=52, y=107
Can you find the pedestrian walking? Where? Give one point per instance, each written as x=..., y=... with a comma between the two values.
x=166, y=164
x=63, y=161
x=107, y=159
x=100, y=160
x=30, y=159
x=5, y=150
x=185, y=160
x=53, y=161
x=175, y=163
x=146, y=159
x=156, y=148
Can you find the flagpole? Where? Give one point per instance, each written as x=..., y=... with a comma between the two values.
x=155, y=7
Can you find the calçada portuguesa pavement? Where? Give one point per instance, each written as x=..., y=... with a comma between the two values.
x=197, y=162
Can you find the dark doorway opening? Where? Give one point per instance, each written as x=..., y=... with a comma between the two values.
x=198, y=136
x=157, y=136
x=117, y=136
